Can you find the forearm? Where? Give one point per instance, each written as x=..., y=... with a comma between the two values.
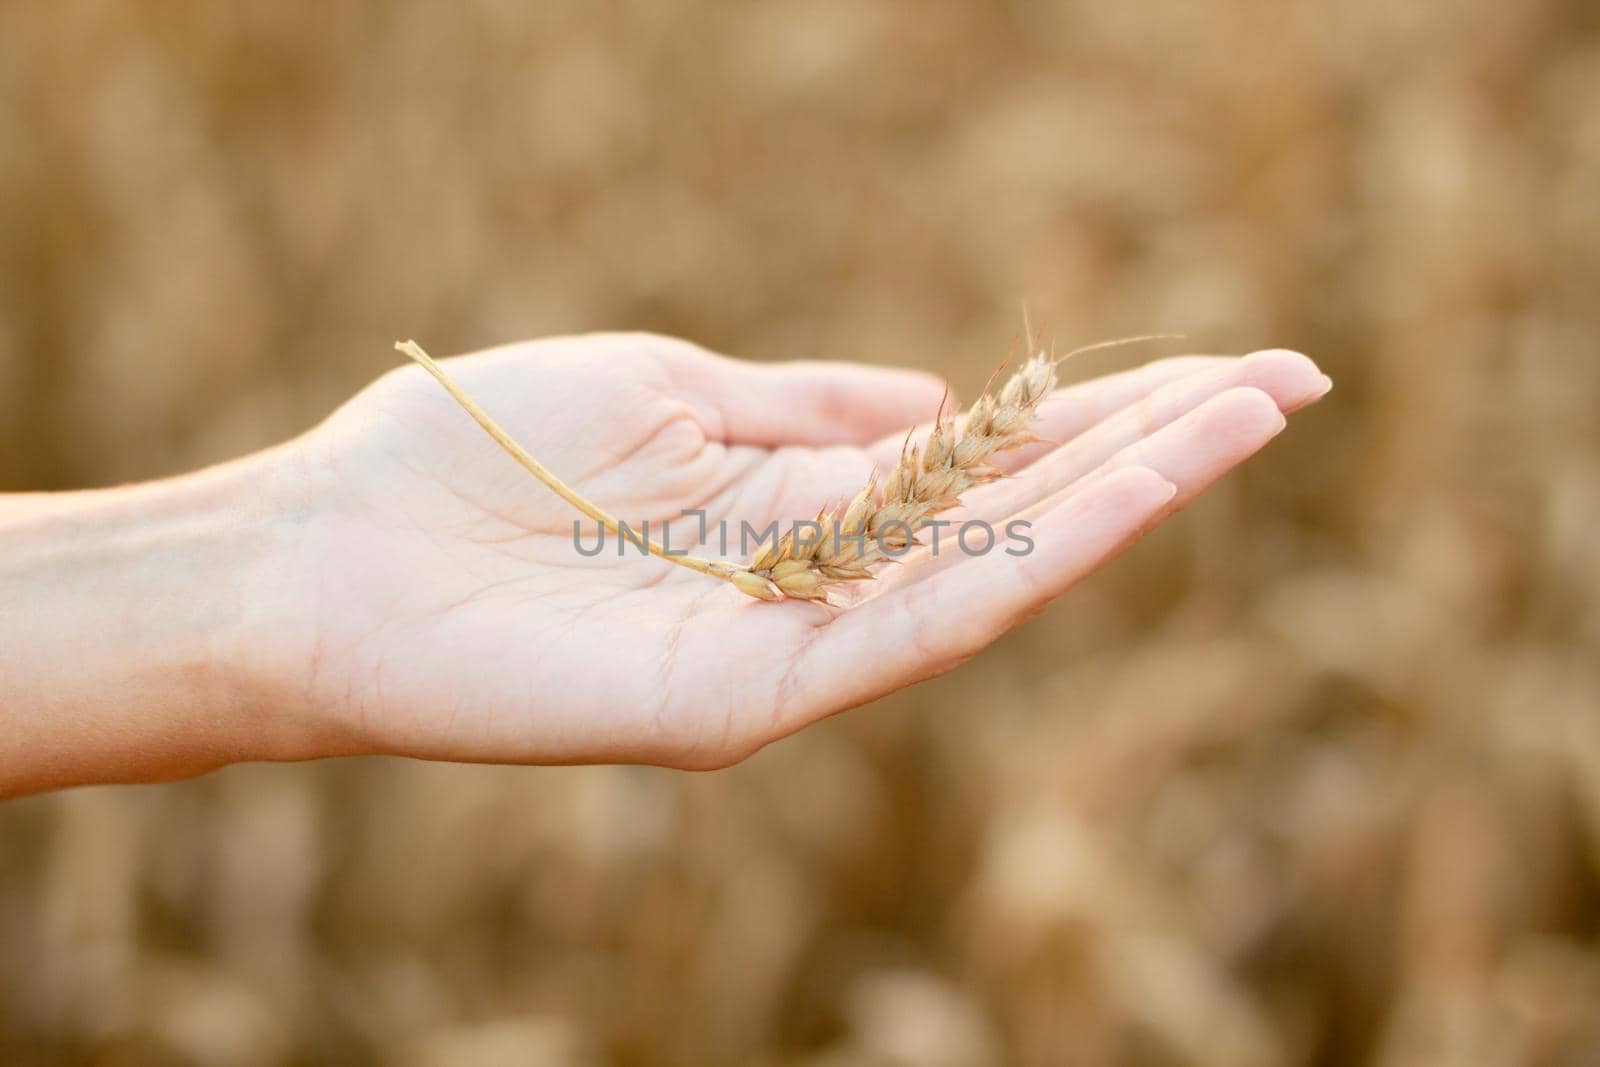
x=132, y=627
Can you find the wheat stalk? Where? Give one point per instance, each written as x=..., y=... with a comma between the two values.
x=715, y=568
x=879, y=524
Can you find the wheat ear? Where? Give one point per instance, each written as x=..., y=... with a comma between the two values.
x=881, y=523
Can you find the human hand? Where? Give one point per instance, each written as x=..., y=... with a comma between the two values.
x=393, y=582
x=437, y=606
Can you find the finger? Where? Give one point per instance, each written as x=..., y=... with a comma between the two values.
x=808, y=402
x=1202, y=446
x=1142, y=400
x=1072, y=409
x=815, y=478
x=1191, y=453
x=925, y=628
x=1289, y=379
x=812, y=479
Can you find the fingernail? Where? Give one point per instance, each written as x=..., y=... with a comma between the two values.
x=1169, y=488
x=1327, y=384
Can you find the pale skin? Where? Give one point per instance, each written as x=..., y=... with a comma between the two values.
x=392, y=582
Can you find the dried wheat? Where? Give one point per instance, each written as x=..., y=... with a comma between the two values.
x=879, y=524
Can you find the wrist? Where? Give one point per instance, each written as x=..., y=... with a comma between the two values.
x=143, y=631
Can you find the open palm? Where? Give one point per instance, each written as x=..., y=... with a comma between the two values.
x=454, y=617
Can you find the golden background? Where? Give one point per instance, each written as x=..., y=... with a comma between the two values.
x=1311, y=777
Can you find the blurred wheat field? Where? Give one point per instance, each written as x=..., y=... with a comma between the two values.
x=1310, y=777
